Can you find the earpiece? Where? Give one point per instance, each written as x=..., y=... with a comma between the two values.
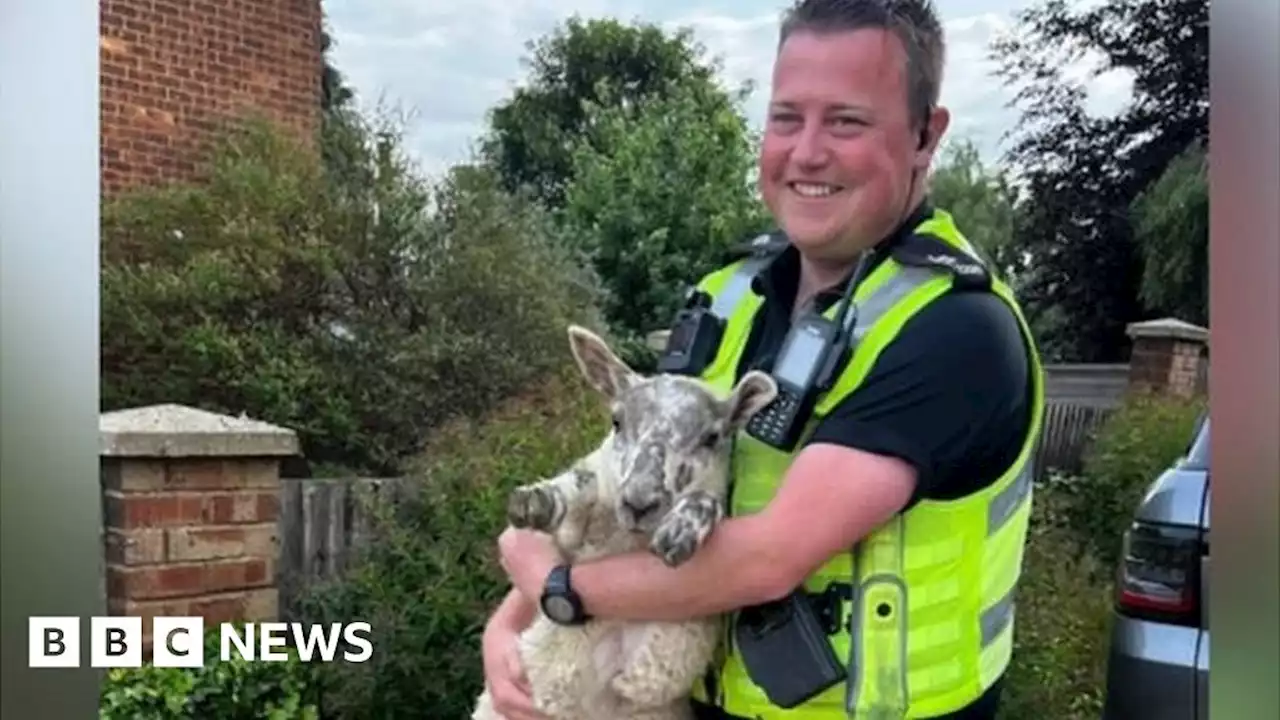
x=924, y=126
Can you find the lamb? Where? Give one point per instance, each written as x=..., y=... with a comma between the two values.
x=658, y=481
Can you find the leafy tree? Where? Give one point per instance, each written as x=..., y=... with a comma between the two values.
x=1172, y=231
x=584, y=64
x=657, y=196
x=1082, y=173
x=982, y=199
x=341, y=296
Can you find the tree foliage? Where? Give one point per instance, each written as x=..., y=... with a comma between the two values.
x=579, y=67
x=656, y=198
x=1172, y=233
x=334, y=293
x=982, y=199
x=624, y=132
x=1083, y=172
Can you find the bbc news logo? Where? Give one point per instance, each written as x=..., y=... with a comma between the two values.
x=178, y=642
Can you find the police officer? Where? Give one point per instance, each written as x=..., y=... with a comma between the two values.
x=899, y=518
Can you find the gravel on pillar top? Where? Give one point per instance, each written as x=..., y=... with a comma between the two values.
x=1168, y=327
x=171, y=430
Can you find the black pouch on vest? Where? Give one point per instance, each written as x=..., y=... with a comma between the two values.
x=785, y=650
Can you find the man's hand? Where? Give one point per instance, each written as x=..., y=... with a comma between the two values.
x=528, y=558
x=504, y=675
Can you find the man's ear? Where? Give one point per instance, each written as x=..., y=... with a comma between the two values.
x=752, y=393
x=599, y=365
x=935, y=126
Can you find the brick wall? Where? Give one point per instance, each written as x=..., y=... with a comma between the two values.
x=173, y=69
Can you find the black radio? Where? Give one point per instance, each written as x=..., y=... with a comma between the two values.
x=807, y=365
x=694, y=339
x=785, y=650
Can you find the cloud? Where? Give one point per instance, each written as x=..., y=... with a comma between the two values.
x=444, y=64
x=449, y=63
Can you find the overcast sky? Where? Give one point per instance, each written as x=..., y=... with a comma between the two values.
x=448, y=63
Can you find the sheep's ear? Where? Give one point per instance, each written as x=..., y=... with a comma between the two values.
x=600, y=366
x=752, y=393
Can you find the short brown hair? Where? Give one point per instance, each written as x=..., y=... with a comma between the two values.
x=914, y=22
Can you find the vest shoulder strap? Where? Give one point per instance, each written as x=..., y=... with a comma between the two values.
x=929, y=251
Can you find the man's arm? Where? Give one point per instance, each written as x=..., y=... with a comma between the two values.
x=515, y=611
x=818, y=512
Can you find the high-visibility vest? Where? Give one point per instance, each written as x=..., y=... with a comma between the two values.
x=929, y=595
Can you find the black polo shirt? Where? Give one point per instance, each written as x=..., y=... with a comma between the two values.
x=950, y=395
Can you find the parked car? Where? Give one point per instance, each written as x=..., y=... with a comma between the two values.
x=1158, y=665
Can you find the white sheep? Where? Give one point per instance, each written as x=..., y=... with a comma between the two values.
x=657, y=481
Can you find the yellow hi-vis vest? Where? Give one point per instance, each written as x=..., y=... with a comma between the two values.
x=926, y=611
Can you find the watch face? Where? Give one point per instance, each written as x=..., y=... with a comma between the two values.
x=558, y=608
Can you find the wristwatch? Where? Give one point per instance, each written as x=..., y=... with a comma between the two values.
x=559, y=601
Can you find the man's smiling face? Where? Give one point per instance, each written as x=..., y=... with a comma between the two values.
x=839, y=145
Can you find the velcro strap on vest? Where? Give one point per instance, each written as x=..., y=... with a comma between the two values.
x=923, y=250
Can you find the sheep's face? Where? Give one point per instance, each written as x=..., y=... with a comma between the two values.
x=671, y=435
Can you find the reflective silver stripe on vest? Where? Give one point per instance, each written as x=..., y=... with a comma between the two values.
x=1006, y=502
x=893, y=290
x=996, y=618
x=736, y=287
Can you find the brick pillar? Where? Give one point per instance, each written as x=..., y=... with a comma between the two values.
x=1168, y=356
x=190, y=504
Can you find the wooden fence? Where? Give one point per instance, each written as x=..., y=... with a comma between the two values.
x=1077, y=399
x=322, y=520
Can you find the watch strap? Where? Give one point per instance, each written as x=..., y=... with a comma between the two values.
x=559, y=587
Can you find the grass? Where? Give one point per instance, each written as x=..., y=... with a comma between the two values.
x=1063, y=624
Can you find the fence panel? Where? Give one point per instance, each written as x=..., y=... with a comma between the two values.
x=323, y=522
x=1078, y=398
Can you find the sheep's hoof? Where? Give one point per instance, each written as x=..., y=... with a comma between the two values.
x=676, y=540
x=531, y=508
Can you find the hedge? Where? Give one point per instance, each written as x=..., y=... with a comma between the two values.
x=336, y=294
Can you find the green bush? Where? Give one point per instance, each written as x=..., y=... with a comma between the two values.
x=1063, y=619
x=429, y=580
x=335, y=293
x=1137, y=442
x=233, y=690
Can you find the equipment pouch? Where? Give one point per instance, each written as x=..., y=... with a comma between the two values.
x=785, y=650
